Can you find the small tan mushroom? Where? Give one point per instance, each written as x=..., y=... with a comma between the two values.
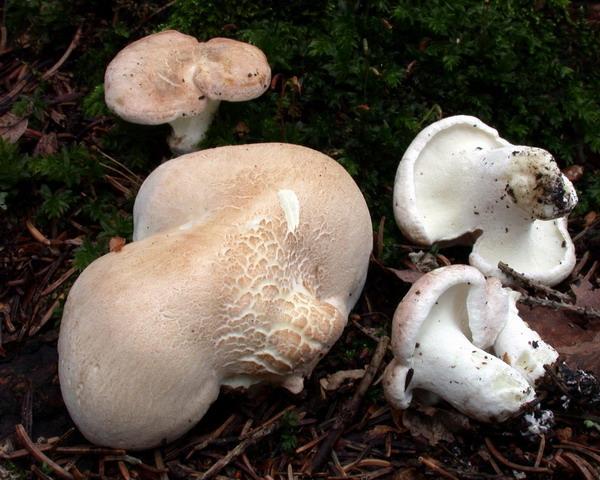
x=169, y=77
x=247, y=262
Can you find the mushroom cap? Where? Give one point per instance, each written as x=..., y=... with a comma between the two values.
x=190, y=190
x=459, y=177
x=169, y=75
x=256, y=288
x=484, y=320
x=231, y=70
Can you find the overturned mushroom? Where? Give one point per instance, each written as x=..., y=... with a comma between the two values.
x=251, y=259
x=440, y=334
x=169, y=77
x=458, y=177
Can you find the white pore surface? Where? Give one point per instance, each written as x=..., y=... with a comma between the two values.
x=449, y=365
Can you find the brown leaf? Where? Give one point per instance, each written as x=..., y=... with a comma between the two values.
x=578, y=344
x=12, y=127
x=574, y=173
x=335, y=380
x=435, y=424
x=116, y=244
x=586, y=295
x=242, y=129
x=407, y=276
x=378, y=431
x=47, y=145
x=590, y=218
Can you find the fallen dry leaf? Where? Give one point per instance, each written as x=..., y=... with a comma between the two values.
x=47, y=145
x=335, y=380
x=574, y=173
x=12, y=127
x=435, y=424
x=577, y=342
x=590, y=218
x=586, y=295
x=116, y=244
x=407, y=275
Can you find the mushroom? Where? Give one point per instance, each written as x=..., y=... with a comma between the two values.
x=521, y=347
x=169, y=77
x=247, y=275
x=440, y=333
x=459, y=178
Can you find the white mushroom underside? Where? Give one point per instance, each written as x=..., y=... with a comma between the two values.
x=453, y=187
x=446, y=363
x=470, y=196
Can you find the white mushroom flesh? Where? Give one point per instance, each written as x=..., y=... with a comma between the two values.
x=522, y=348
x=459, y=177
x=447, y=363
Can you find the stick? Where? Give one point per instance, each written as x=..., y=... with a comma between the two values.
x=65, y=55
x=261, y=432
x=350, y=409
x=540, y=453
x=515, y=466
x=38, y=455
x=433, y=465
x=526, y=282
x=544, y=302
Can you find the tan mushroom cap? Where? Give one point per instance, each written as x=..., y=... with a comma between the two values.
x=169, y=75
x=191, y=190
x=232, y=71
x=256, y=286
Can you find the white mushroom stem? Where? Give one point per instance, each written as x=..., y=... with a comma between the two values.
x=522, y=348
x=446, y=363
x=188, y=131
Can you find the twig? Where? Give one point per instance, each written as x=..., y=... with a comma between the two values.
x=581, y=449
x=584, y=232
x=54, y=285
x=540, y=453
x=65, y=55
x=433, y=465
x=350, y=409
x=526, y=282
x=39, y=473
x=587, y=471
x=209, y=438
x=36, y=234
x=515, y=466
x=544, y=302
x=160, y=463
x=26, y=442
x=36, y=328
x=257, y=434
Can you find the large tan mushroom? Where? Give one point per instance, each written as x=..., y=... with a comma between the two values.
x=169, y=77
x=250, y=260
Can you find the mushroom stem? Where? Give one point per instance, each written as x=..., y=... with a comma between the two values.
x=189, y=131
x=522, y=348
x=447, y=364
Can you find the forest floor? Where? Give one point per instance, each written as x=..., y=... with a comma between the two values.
x=335, y=431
